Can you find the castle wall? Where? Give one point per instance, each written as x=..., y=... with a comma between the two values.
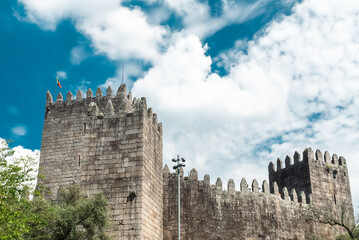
x=107, y=144
x=209, y=212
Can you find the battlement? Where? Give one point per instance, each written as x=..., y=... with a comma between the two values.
x=308, y=154
x=103, y=106
x=217, y=191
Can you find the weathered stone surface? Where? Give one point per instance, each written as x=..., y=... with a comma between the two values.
x=48, y=98
x=69, y=96
x=118, y=153
x=113, y=145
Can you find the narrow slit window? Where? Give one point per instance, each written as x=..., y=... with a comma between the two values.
x=84, y=127
x=335, y=199
x=79, y=160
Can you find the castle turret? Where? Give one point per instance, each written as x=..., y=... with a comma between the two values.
x=320, y=181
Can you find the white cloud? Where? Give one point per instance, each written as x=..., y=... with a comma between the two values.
x=114, y=30
x=197, y=18
x=61, y=74
x=19, y=130
x=298, y=82
x=77, y=55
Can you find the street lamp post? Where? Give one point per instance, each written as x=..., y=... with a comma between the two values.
x=179, y=163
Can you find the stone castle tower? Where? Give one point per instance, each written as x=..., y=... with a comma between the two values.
x=110, y=144
x=113, y=144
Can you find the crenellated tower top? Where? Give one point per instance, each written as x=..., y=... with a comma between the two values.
x=108, y=105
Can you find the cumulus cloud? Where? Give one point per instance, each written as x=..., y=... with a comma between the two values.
x=19, y=130
x=296, y=86
x=114, y=30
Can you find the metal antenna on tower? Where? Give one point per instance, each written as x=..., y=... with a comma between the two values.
x=123, y=68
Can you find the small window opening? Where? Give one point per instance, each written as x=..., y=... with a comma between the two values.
x=335, y=172
x=131, y=197
x=84, y=127
x=335, y=199
x=79, y=160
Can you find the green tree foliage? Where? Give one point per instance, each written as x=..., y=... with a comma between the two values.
x=15, y=185
x=72, y=216
x=79, y=216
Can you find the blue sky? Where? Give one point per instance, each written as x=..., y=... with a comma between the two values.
x=235, y=83
x=31, y=56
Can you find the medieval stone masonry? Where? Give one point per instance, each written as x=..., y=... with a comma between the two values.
x=113, y=144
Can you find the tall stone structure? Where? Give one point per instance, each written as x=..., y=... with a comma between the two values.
x=110, y=144
x=113, y=144
x=325, y=178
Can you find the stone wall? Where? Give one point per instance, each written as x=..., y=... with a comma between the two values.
x=256, y=212
x=110, y=144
